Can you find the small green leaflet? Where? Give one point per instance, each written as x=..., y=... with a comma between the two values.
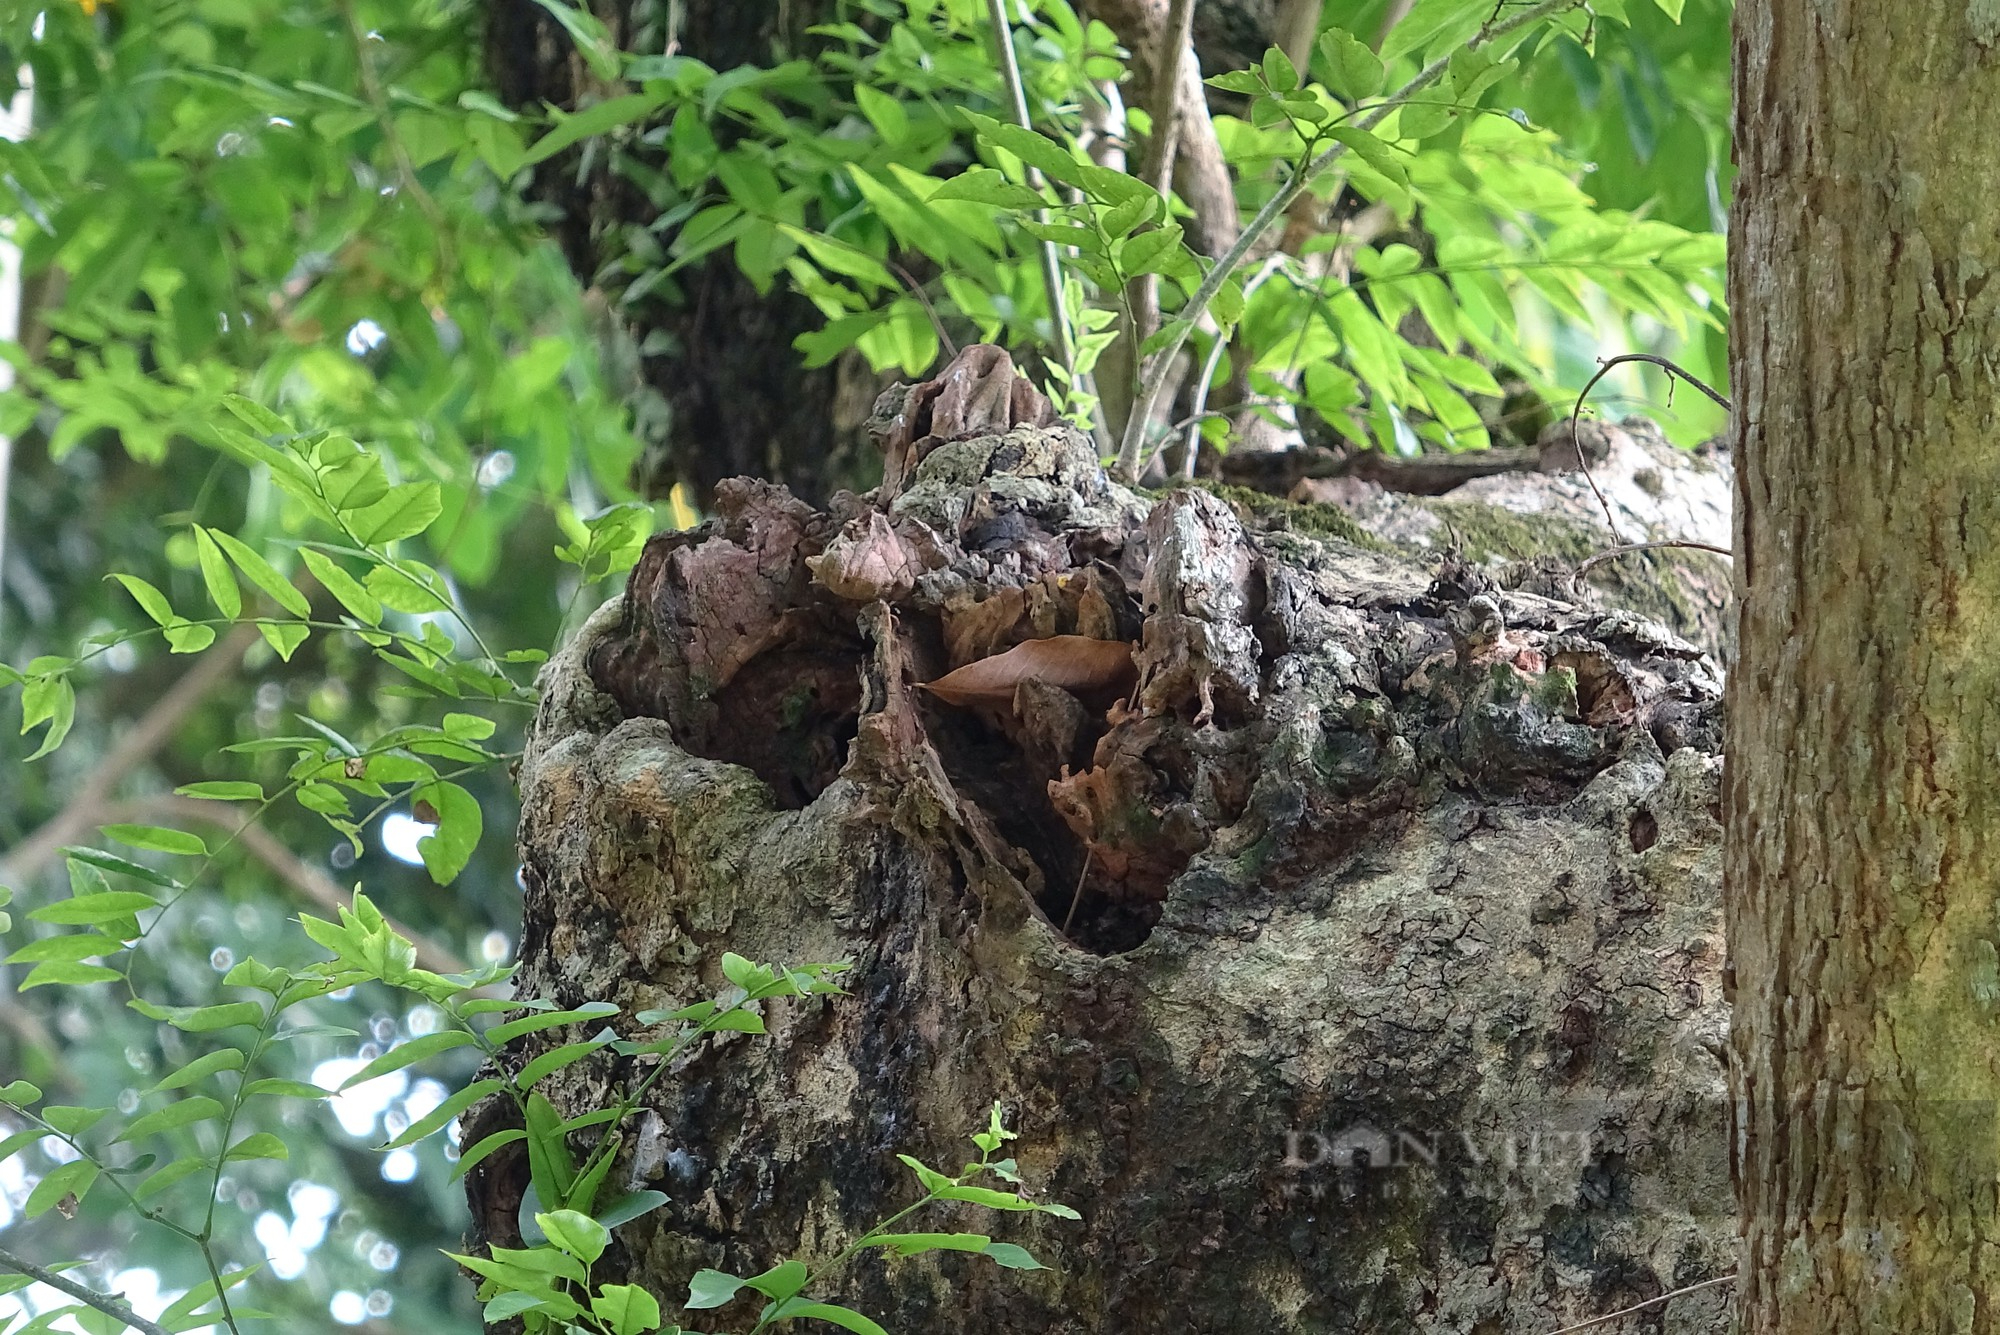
x=223, y=1059
x=1372, y=151
x=449, y=846
x=626, y=1308
x=200, y=1108
x=261, y=573
x=104, y=906
x=1037, y=151
x=158, y=839
x=599, y=119
x=984, y=185
x=258, y=1145
x=223, y=790
x=47, y=699
x=406, y=511
x=256, y=416
x=349, y=590
x=70, y=1179
x=215, y=573
x=593, y=42
x=1353, y=70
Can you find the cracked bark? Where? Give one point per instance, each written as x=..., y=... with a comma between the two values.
x=1390, y=1000
x=1864, y=710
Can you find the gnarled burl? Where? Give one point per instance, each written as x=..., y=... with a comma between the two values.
x=1340, y=931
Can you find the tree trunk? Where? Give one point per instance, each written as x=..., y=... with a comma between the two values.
x=1862, y=714
x=730, y=393
x=1347, y=952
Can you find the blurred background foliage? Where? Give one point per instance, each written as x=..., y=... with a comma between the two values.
x=285, y=201
x=366, y=216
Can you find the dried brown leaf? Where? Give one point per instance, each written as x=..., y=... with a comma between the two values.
x=869, y=560
x=1094, y=669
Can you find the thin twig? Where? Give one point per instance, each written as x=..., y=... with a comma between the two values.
x=1223, y=414
x=1640, y=1307
x=1052, y=281
x=1672, y=368
x=115, y=1308
x=1077, y=898
x=1175, y=43
x=385, y=119
x=1608, y=553
x=16, y=119
x=1156, y=169
x=1605, y=365
x=1153, y=382
x=924, y=300
x=1215, y=350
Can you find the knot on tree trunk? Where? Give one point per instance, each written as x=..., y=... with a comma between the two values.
x=1221, y=853
x=1100, y=687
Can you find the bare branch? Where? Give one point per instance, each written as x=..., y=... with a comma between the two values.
x=1142, y=294
x=1608, y=553
x=1295, y=27
x=1604, y=367
x=1201, y=175
x=115, y=1308
x=1175, y=48
x=1397, y=11
x=1609, y=1317
x=1052, y=282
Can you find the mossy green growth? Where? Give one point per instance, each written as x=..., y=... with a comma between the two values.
x=793, y=707
x=1555, y=692
x=1652, y=583
x=1483, y=532
x=1311, y=518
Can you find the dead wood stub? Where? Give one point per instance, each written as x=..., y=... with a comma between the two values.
x=1362, y=844
x=1089, y=697
x=1090, y=689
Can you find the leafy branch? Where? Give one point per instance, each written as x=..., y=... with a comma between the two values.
x=1051, y=264
x=1159, y=368
x=787, y=1285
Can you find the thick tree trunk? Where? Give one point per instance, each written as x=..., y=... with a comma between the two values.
x=1347, y=953
x=1864, y=712
x=721, y=391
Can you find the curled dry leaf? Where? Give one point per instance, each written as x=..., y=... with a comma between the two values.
x=870, y=560
x=1094, y=670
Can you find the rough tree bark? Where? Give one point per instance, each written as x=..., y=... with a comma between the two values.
x=1347, y=949
x=1865, y=707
